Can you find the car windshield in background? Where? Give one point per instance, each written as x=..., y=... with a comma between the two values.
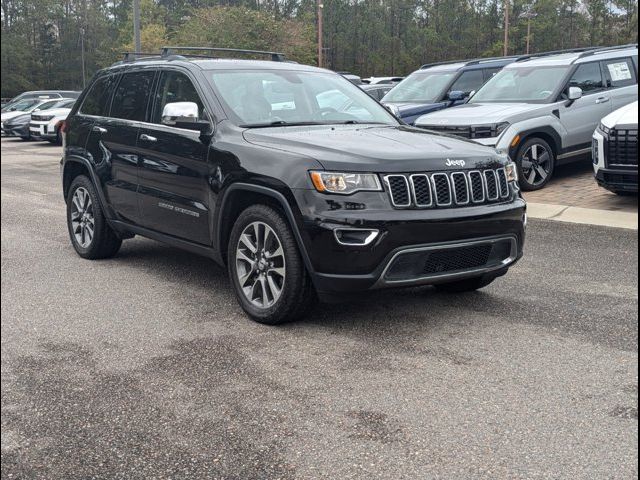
x=22, y=105
x=63, y=104
x=420, y=87
x=275, y=98
x=521, y=85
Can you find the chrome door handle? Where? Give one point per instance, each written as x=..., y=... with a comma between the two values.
x=148, y=138
x=98, y=129
x=602, y=100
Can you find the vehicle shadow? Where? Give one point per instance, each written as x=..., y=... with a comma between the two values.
x=369, y=311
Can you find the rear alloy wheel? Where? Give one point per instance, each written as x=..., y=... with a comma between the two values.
x=266, y=269
x=536, y=162
x=90, y=234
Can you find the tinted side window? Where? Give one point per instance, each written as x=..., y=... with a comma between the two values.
x=175, y=87
x=132, y=96
x=588, y=77
x=98, y=99
x=490, y=72
x=619, y=72
x=468, y=81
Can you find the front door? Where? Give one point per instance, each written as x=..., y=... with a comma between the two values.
x=174, y=172
x=581, y=117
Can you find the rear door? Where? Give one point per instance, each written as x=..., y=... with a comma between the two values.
x=581, y=117
x=174, y=173
x=112, y=142
x=622, y=82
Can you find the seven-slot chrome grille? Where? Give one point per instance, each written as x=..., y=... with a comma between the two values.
x=447, y=189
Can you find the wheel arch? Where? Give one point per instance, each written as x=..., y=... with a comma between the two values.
x=548, y=134
x=236, y=198
x=74, y=166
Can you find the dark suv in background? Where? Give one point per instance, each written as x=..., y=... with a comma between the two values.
x=441, y=85
x=247, y=162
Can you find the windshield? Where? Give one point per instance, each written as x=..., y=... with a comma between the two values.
x=271, y=98
x=421, y=87
x=47, y=105
x=521, y=85
x=22, y=105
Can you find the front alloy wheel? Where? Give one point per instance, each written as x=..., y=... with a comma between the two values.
x=260, y=265
x=536, y=163
x=268, y=274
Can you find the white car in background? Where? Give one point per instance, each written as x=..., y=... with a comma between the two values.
x=45, y=125
x=26, y=106
x=615, y=151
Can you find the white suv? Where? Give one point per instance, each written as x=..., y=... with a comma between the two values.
x=543, y=109
x=615, y=151
x=46, y=125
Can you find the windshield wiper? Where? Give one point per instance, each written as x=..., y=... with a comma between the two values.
x=280, y=123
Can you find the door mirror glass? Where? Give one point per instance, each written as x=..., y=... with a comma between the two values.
x=457, y=95
x=180, y=113
x=574, y=93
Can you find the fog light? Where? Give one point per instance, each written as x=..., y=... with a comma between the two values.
x=355, y=237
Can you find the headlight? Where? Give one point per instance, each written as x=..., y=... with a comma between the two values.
x=345, y=183
x=488, y=131
x=604, y=129
x=512, y=172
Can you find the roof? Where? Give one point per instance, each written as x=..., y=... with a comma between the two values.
x=576, y=56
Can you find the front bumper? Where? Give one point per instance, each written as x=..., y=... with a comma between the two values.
x=16, y=130
x=43, y=130
x=618, y=180
x=346, y=268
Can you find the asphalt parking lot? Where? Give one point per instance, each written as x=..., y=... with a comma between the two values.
x=144, y=366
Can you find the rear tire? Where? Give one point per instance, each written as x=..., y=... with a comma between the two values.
x=467, y=285
x=536, y=162
x=90, y=234
x=266, y=269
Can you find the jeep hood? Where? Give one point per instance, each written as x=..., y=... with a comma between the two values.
x=382, y=149
x=56, y=112
x=481, y=114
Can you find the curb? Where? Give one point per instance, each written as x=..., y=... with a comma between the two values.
x=586, y=216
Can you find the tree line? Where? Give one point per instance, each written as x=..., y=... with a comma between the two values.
x=61, y=43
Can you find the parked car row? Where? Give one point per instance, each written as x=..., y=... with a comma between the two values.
x=34, y=115
x=540, y=109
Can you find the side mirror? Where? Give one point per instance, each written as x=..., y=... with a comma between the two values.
x=574, y=93
x=184, y=115
x=456, y=95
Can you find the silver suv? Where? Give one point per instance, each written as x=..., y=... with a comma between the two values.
x=543, y=109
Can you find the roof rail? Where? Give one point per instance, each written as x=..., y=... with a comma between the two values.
x=133, y=56
x=275, y=56
x=524, y=58
x=597, y=50
x=475, y=61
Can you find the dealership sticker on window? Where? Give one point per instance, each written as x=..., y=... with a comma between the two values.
x=619, y=71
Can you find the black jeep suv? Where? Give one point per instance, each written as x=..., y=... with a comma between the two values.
x=293, y=178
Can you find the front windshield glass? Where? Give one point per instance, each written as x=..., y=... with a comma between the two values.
x=23, y=105
x=265, y=98
x=521, y=85
x=420, y=87
x=48, y=105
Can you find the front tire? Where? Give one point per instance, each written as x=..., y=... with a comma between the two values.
x=91, y=235
x=536, y=163
x=467, y=285
x=266, y=269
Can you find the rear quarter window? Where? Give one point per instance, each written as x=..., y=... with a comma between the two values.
x=98, y=99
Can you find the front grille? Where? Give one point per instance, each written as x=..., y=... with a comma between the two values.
x=469, y=132
x=436, y=261
x=440, y=189
x=458, y=259
x=38, y=118
x=622, y=148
